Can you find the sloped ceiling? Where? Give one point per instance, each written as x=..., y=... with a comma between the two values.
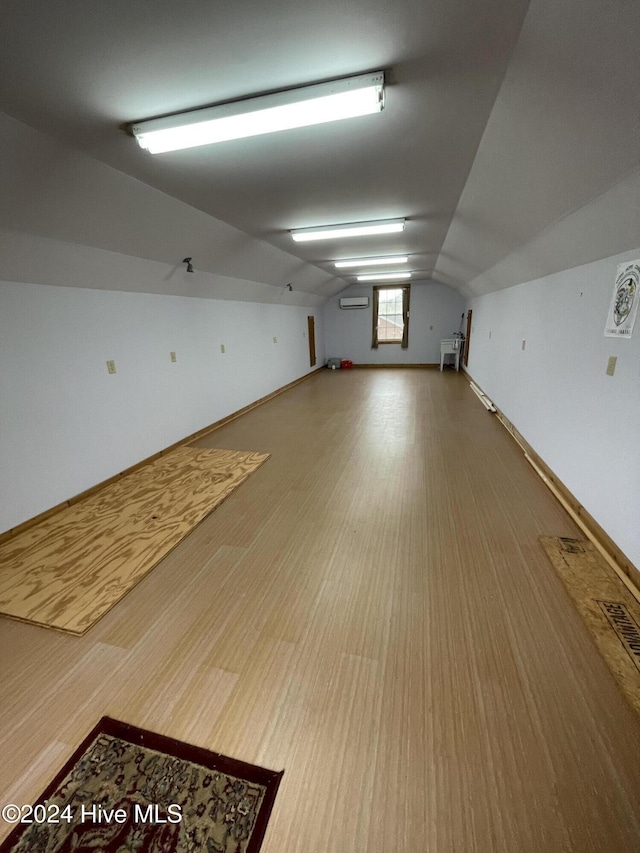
x=501, y=116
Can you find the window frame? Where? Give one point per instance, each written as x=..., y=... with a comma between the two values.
x=406, y=296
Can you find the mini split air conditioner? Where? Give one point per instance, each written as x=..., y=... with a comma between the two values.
x=354, y=302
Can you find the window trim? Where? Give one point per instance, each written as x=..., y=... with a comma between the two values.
x=406, y=295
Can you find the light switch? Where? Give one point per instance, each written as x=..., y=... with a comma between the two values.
x=275, y=340
x=524, y=343
x=111, y=366
x=611, y=365
x=222, y=348
x=173, y=356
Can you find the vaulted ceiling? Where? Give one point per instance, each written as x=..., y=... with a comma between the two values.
x=501, y=116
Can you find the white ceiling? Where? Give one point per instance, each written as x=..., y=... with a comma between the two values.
x=500, y=119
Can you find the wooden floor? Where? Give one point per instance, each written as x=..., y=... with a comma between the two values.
x=373, y=613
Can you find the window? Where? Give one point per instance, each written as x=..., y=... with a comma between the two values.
x=390, y=316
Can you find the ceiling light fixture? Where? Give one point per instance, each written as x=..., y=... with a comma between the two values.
x=352, y=229
x=386, y=276
x=316, y=104
x=372, y=262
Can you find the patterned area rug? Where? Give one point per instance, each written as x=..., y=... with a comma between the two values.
x=609, y=611
x=67, y=571
x=127, y=790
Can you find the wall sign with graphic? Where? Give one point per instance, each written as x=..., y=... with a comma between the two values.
x=624, y=301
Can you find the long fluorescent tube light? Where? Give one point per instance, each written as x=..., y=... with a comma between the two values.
x=316, y=104
x=386, y=276
x=372, y=262
x=353, y=229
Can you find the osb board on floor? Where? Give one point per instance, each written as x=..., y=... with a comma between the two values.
x=608, y=609
x=70, y=569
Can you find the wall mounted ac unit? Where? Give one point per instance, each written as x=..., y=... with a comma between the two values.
x=354, y=302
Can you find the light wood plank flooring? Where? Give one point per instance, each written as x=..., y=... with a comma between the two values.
x=372, y=612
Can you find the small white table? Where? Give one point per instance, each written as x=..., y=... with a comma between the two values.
x=451, y=346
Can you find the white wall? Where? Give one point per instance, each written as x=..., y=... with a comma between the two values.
x=435, y=313
x=583, y=423
x=66, y=424
x=91, y=269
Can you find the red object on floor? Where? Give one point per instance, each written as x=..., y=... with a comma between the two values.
x=345, y=363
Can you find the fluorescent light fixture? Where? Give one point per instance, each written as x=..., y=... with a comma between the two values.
x=352, y=229
x=384, y=276
x=372, y=262
x=316, y=104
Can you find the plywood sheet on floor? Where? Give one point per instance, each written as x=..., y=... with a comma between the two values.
x=70, y=569
x=607, y=608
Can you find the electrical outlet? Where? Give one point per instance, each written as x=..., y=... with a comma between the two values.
x=111, y=366
x=524, y=343
x=275, y=340
x=222, y=348
x=173, y=356
x=611, y=365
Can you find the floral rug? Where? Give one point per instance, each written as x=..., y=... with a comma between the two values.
x=127, y=790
